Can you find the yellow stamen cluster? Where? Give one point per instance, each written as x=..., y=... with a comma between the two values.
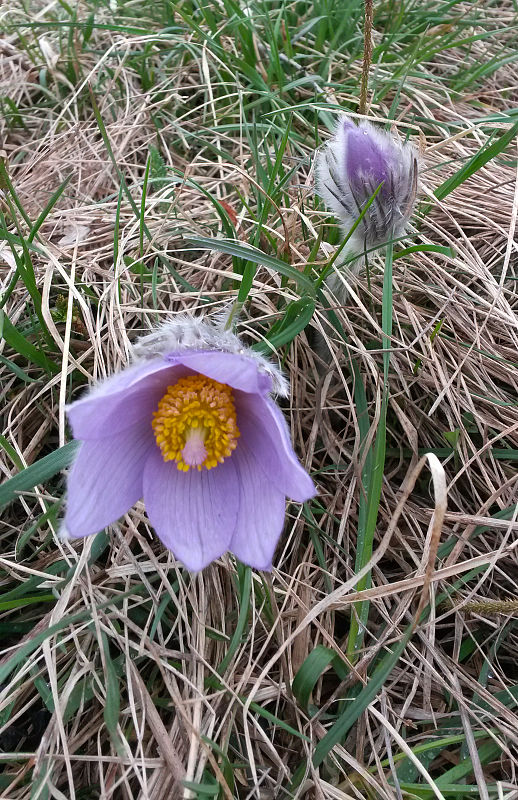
x=200, y=408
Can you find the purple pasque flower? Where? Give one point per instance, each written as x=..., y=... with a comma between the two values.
x=192, y=429
x=354, y=162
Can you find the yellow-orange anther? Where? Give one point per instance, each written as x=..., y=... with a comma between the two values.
x=195, y=423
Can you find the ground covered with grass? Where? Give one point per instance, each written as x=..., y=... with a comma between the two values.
x=146, y=146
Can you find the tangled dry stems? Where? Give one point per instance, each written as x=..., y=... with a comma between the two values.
x=462, y=381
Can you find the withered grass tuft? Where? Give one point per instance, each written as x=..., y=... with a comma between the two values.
x=146, y=147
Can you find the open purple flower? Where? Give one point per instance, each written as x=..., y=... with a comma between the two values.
x=192, y=429
x=354, y=162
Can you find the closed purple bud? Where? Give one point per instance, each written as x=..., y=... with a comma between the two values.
x=355, y=161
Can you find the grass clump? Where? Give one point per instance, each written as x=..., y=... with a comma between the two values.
x=159, y=157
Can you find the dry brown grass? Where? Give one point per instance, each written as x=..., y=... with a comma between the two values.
x=462, y=381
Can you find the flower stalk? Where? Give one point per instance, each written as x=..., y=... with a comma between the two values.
x=367, y=55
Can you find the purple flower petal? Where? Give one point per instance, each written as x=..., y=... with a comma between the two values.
x=123, y=400
x=106, y=480
x=193, y=513
x=132, y=395
x=261, y=512
x=266, y=434
x=365, y=158
x=199, y=515
x=236, y=370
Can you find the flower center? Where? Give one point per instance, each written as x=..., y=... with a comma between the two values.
x=195, y=423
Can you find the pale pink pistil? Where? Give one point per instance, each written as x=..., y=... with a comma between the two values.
x=194, y=452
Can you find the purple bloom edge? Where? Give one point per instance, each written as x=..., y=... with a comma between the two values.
x=238, y=506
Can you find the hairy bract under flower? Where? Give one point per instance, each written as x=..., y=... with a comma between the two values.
x=352, y=165
x=192, y=429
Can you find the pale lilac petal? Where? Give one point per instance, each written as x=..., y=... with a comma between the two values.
x=261, y=512
x=132, y=395
x=193, y=513
x=266, y=434
x=365, y=158
x=123, y=400
x=236, y=370
x=106, y=480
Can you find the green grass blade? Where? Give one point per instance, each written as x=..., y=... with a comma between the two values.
x=47, y=209
x=372, y=477
x=342, y=726
x=334, y=257
x=245, y=588
x=39, y=472
x=247, y=252
x=310, y=671
x=11, y=452
x=265, y=714
x=487, y=752
x=26, y=601
x=479, y=160
x=21, y=345
x=425, y=248
x=111, y=711
x=143, y=207
x=298, y=314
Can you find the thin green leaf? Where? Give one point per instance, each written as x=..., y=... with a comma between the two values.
x=425, y=248
x=342, y=726
x=23, y=651
x=143, y=207
x=47, y=209
x=202, y=789
x=419, y=791
x=372, y=477
x=111, y=710
x=263, y=712
x=298, y=314
x=487, y=752
x=481, y=158
x=250, y=253
x=310, y=671
x=26, y=601
x=11, y=452
x=39, y=472
x=21, y=345
x=245, y=587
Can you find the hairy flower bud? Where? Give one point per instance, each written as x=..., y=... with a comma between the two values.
x=355, y=161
